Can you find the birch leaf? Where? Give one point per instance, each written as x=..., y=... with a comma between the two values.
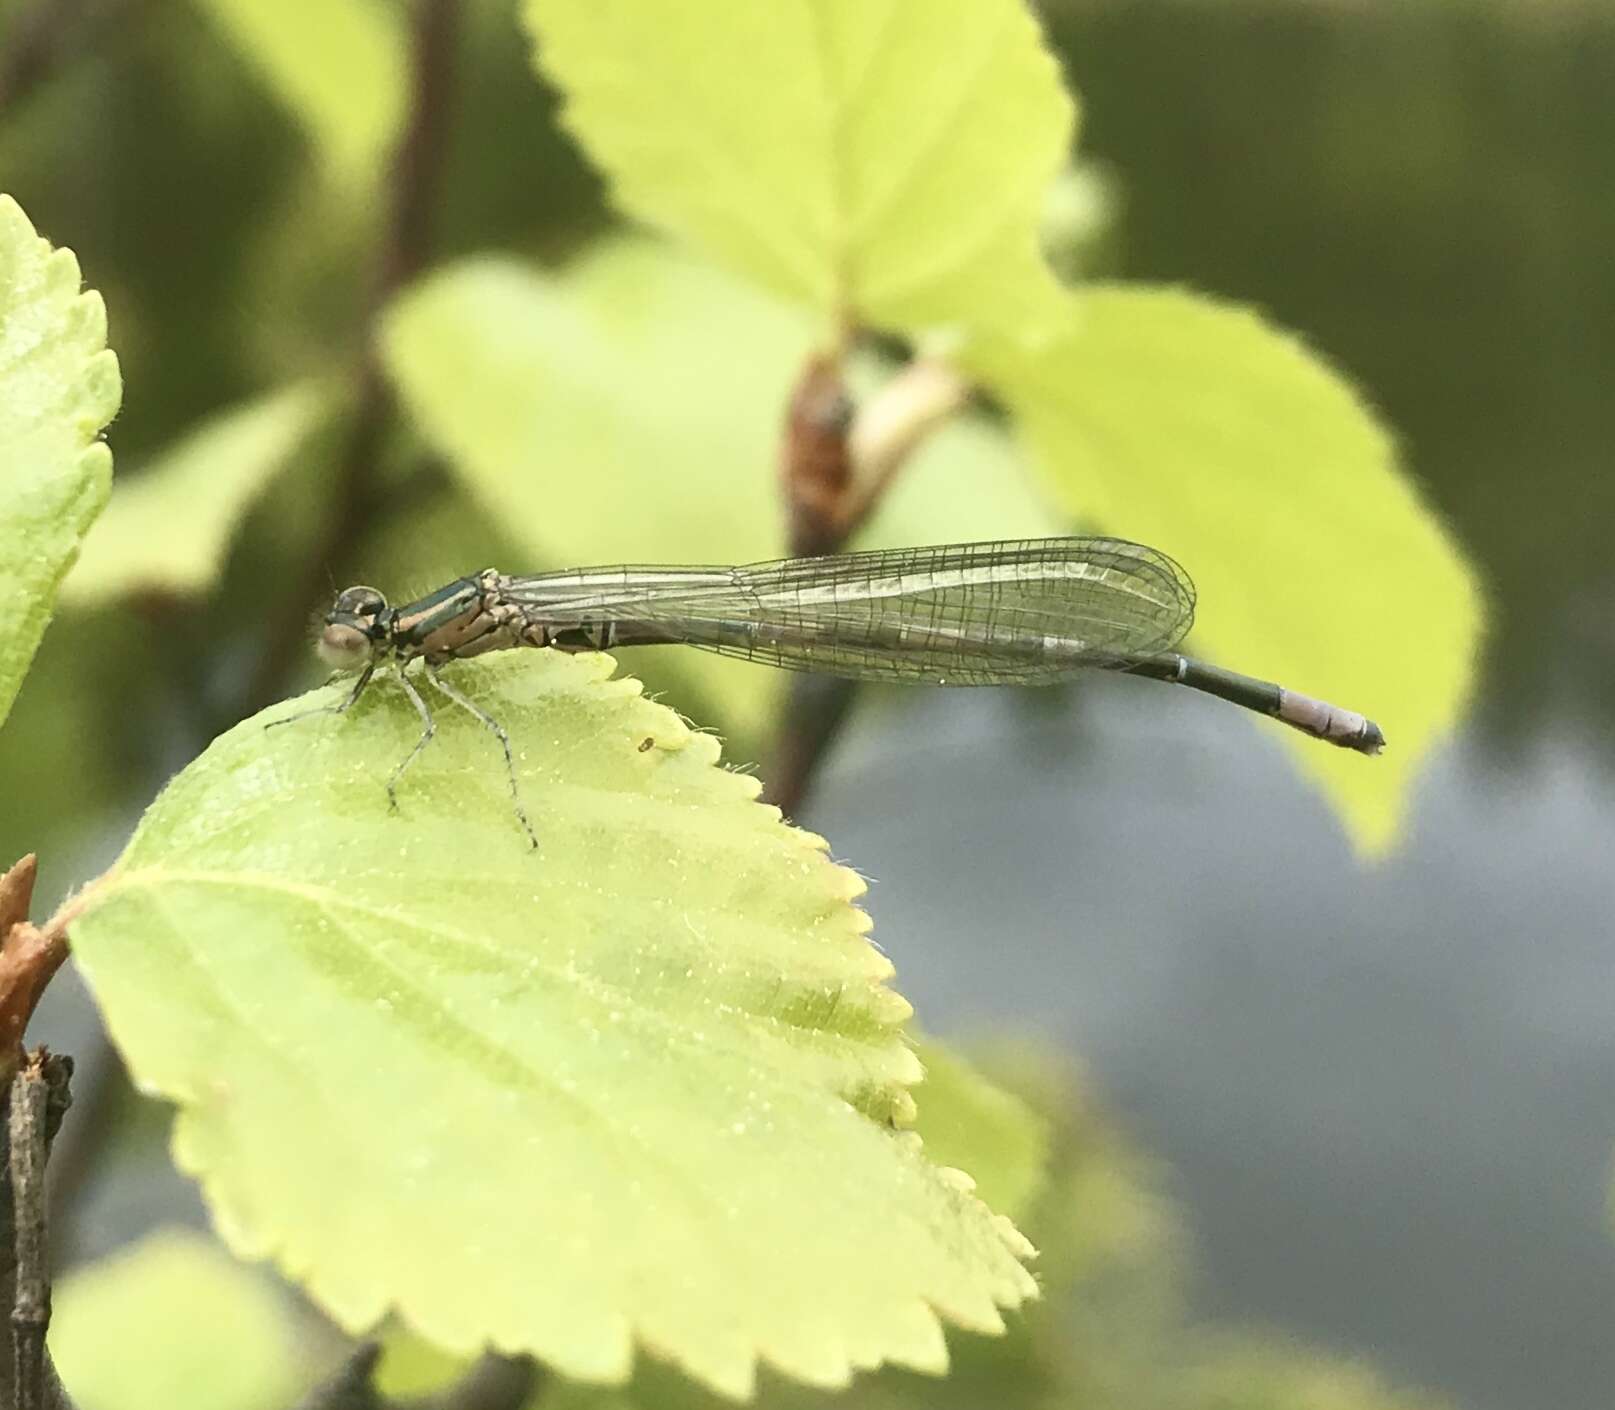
x=59, y=386
x=636, y=1087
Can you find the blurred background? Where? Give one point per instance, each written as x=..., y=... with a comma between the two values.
x=1384, y=1092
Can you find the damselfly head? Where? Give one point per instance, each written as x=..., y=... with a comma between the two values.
x=354, y=627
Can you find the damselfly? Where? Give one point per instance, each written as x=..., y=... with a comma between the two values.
x=1030, y=612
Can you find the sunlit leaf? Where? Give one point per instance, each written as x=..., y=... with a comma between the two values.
x=881, y=160
x=636, y=1086
x=337, y=65
x=1007, y=1379
x=629, y=410
x=1071, y=1348
x=59, y=386
x=411, y=1367
x=172, y=1323
x=1203, y=430
x=966, y=1123
x=168, y=528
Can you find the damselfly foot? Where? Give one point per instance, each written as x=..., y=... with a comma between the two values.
x=339, y=709
x=428, y=732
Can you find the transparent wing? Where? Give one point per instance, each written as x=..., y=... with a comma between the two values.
x=1026, y=611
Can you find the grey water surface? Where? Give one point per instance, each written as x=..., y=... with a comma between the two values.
x=1387, y=1090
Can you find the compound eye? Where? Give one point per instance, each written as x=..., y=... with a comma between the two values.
x=358, y=602
x=343, y=647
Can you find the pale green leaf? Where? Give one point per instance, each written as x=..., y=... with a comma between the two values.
x=59, y=386
x=636, y=1086
x=168, y=528
x=1200, y=428
x=339, y=66
x=629, y=410
x=1080, y=220
x=881, y=160
x=966, y=1122
x=172, y=1323
x=989, y=1374
x=411, y=1367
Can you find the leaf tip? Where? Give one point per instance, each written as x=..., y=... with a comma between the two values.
x=1017, y=1243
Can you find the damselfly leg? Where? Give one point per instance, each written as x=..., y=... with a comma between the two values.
x=428, y=730
x=339, y=709
x=498, y=731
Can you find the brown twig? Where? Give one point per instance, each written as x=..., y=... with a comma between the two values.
x=30, y=1304
x=418, y=160
x=816, y=458
x=103, y=1091
x=17, y=892
x=402, y=254
x=894, y=423
x=29, y=957
x=36, y=1102
x=836, y=466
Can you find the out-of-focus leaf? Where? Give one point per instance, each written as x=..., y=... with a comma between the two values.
x=1279, y=1375
x=444, y=536
x=70, y=766
x=882, y=160
x=59, y=386
x=1203, y=430
x=411, y=1368
x=630, y=411
x=337, y=65
x=974, y=1125
x=1100, y=1216
x=1080, y=217
x=172, y=1323
x=167, y=530
x=627, y=411
x=634, y=1086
